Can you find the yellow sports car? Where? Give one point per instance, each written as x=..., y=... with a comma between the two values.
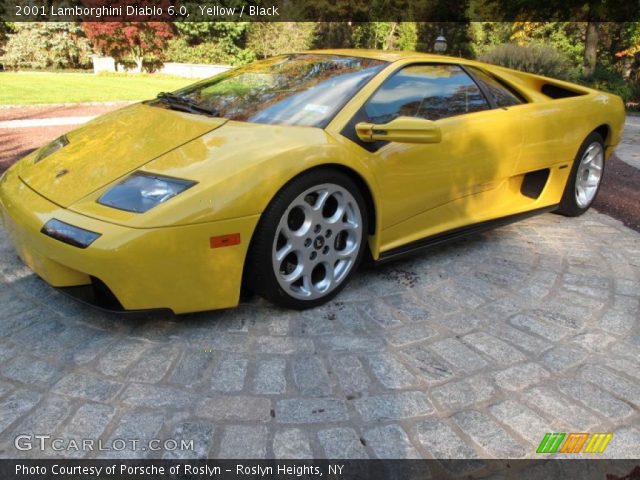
x=282, y=175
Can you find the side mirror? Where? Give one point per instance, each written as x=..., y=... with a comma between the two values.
x=402, y=130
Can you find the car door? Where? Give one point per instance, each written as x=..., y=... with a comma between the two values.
x=479, y=148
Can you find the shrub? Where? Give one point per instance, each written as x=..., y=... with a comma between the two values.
x=212, y=42
x=243, y=57
x=180, y=50
x=610, y=80
x=533, y=58
x=47, y=45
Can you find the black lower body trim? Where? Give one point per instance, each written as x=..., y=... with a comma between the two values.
x=98, y=295
x=457, y=233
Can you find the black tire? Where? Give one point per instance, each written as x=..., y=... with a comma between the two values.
x=569, y=206
x=260, y=277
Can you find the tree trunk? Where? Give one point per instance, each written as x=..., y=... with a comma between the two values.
x=390, y=40
x=138, y=61
x=591, y=49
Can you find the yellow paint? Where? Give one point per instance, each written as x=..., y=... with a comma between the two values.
x=162, y=258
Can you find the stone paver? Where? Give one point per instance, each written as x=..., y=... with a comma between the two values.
x=473, y=350
x=342, y=443
x=291, y=444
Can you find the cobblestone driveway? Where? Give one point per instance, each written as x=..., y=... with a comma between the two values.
x=474, y=350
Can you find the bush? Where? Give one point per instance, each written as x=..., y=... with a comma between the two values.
x=533, y=58
x=610, y=80
x=243, y=57
x=179, y=50
x=47, y=45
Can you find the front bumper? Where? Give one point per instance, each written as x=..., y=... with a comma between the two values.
x=159, y=268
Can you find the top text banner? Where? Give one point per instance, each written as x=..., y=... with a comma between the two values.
x=319, y=10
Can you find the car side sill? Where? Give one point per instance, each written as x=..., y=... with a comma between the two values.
x=457, y=233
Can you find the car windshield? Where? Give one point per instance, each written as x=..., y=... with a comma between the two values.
x=301, y=89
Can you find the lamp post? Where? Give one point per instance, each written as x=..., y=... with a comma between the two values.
x=440, y=45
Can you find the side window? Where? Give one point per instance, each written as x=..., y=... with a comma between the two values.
x=425, y=91
x=500, y=93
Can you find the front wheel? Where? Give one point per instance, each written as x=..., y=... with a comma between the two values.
x=309, y=240
x=585, y=177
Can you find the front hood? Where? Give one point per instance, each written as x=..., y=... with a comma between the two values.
x=110, y=147
x=237, y=168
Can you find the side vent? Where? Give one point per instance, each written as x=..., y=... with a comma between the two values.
x=534, y=183
x=556, y=91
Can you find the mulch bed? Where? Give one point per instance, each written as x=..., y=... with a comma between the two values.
x=619, y=194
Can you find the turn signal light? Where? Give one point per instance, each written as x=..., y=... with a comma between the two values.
x=225, y=240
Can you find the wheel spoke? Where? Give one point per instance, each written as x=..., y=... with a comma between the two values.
x=349, y=223
x=306, y=283
x=326, y=282
x=284, y=251
x=321, y=200
x=591, y=154
x=295, y=276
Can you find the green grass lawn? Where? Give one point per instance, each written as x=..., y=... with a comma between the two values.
x=30, y=88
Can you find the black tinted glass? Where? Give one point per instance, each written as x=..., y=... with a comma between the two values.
x=426, y=91
x=501, y=94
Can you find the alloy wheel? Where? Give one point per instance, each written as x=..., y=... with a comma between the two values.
x=317, y=241
x=589, y=174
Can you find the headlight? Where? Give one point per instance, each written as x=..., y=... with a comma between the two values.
x=140, y=192
x=51, y=148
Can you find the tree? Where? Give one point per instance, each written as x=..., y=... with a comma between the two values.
x=47, y=45
x=207, y=42
x=386, y=35
x=566, y=37
x=592, y=38
x=333, y=35
x=5, y=29
x=628, y=49
x=135, y=41
x=272, y=38
x=486, y=35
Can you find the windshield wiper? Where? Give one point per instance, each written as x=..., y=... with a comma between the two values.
x=185, y=104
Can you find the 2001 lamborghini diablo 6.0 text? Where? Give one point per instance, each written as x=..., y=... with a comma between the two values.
x=282, y=175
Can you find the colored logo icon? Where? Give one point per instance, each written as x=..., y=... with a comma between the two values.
x=574, y=443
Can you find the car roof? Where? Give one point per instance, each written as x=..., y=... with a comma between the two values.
x=387, y=55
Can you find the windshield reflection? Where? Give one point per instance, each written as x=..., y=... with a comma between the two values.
x=304, y=89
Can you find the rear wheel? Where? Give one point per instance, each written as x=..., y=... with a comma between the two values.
x=585, y=177
x=309, y=240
